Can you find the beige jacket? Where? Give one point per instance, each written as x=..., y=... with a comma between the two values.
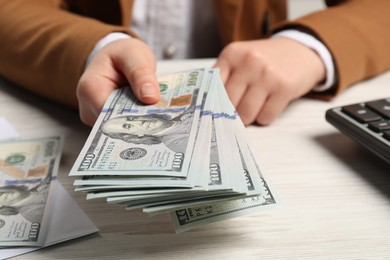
x=44, y=43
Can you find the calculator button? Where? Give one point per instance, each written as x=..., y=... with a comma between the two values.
x=380, y=106
x=360, y=113
x=386, y=134
x=379, y=126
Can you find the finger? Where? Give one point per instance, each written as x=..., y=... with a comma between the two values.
x=224, y=69
x=279, y=93
x=272, y=108
x=236, y=86
x=233, y=84
x=139, y=69
x=144, y=83
x=251, y=103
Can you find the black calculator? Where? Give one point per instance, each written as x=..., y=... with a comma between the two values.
x=368, y=123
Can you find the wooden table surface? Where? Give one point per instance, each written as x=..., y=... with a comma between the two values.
x=334, y=195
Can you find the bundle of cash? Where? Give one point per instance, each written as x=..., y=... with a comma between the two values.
x=186, y=155
x=26, y=170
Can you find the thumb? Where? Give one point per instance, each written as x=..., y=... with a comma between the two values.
x=138, y=66
x=143, y=81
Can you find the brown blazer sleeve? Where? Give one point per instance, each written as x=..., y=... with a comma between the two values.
x=43, y=47
x=357, y=33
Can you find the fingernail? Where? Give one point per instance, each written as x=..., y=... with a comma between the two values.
x=148, y=90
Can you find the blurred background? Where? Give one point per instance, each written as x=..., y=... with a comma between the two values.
x=297, y=8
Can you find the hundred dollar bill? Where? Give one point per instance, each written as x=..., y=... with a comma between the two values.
x=192, y=217
x=164, y=198
x=198, y=169
x=218, y=179
x=26, y=170
x=248, y=166
x=155, y=140
x=124, y=192
x=229, y=166
x=215, y=185
x=258, y=192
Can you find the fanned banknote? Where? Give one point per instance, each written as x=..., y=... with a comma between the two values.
x=196, y=216
x=26, y=170
x=156, y=140
x=196, y=164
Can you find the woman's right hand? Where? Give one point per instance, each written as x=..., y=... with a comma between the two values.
x=120, y=63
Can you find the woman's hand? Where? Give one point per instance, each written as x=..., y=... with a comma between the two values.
x=263, y=76
x=120, y=63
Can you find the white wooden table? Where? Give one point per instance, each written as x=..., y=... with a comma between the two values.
x=334, y=196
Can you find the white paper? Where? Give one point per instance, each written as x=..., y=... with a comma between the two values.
x=6, y=130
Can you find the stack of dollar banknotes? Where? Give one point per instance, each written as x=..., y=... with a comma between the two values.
x=27, y=168
x=186, y=155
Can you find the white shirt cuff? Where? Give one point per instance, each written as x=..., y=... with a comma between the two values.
x=316, y=45
x=104, y=41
